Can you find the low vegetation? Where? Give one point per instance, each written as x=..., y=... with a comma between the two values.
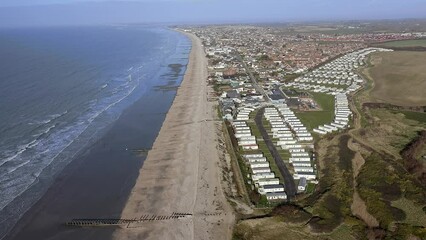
x=414, y=157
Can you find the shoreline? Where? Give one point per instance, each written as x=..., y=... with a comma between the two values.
x=181, y=172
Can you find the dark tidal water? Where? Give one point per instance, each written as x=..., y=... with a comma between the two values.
x=61, y=92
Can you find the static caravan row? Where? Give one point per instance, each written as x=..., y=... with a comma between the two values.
x=271, y=188
x=300, y=154
x=279, y=129
x=307, y=175
x=280, y=125
x=259, y=165
x=328, y=130
x=256, y=160
x=299, y=159
x=283, y=135
x=246, y=142
x=303, y=169
x=285, y=138
x=247, y=138
x=330, y=127
x=292, y=146
x=268, y=181
x=276, y=121
x=261, y=170
x=286, y=142
x=303, y=134
x=341, y=126
x=258, y=176
x=242, y=118
x=250, y=147
x=240, y=135
x=242, y=131
x=242, y=128
x=276, y=196
x=302, y=164
x=301, y=139
x=296, y=150
x=253, y=155
x=239, y=123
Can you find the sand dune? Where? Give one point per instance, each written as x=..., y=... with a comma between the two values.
x=181, y=172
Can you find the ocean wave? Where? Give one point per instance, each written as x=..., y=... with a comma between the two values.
x=51, y=118
x=14, y=168
x=27, y=146
x=46, y=147
x=20, y=150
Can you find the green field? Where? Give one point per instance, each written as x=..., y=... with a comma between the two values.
x=314, y=119
x=417, y=116
x=405, y=43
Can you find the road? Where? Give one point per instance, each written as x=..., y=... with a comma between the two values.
x=253, y=78
x=290, y=186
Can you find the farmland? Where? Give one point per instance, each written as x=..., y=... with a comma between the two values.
x=399, y=78
x=404, y=43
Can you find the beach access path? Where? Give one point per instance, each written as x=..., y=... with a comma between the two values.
x=181, y=173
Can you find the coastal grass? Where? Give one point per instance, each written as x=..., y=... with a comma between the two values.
x=344, y=231
x=414, y=212
x=382, y=181
x=388, y=131
x=416, y=116
x=281, y=227
x=270, y=228
x=330, y=201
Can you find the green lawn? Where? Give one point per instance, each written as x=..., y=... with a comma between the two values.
x=315, y=118
x=310, y=188
x=254, y=130
x=271, y=160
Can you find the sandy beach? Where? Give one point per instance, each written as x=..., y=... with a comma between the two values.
x=181, y=173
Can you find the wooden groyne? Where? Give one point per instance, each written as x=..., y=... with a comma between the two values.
x=93, y=222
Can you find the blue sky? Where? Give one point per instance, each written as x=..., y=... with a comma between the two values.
x=76, y=12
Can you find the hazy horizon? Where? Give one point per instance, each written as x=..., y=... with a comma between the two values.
x=18, y=13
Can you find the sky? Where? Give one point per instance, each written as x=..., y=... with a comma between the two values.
x=93, y=12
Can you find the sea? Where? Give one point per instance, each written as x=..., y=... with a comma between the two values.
x=61, y=90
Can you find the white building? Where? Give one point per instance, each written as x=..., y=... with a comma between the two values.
x=258, y=176
x=302, y=184
x=271, y=188
x=276, y=196
x=268, y=181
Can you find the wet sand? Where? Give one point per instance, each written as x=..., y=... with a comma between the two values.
x=181, y=173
